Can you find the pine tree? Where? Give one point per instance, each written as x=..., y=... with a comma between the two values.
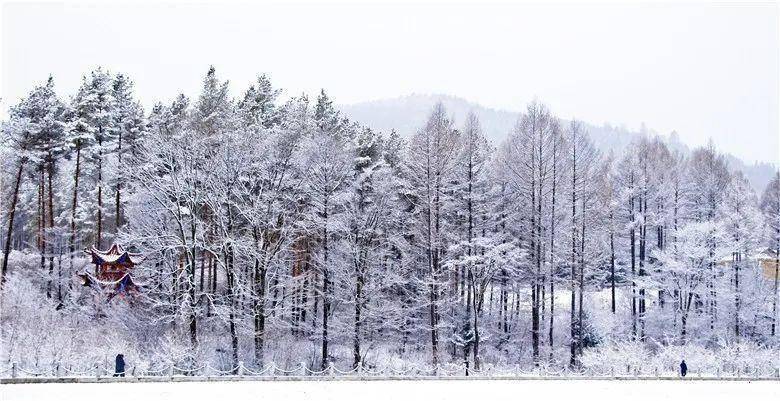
x=742, y=223
x=582, y=160
x=473, y=200
x=212, y=111
x=36, y=131
x=129, y=127
x=370, y=199
x=327, y=156
x=258, y=107
x=770, y=206
x=430, y=164
x=708, y=178
x=92, y=133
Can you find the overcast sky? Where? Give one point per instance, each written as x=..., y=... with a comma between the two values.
x=705, y=70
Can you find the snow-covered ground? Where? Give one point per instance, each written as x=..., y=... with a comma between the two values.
x=429, y=390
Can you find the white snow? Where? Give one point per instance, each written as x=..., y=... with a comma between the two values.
x=430, y=390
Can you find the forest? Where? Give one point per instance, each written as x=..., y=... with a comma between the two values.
x=272, y=228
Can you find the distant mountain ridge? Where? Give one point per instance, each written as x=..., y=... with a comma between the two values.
x=407, y=114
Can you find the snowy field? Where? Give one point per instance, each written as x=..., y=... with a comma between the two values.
x=429, y=390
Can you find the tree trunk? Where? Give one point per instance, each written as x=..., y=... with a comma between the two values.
x=476, y=327
x=77, y=171
x=325, y=291
x=632, y=236
x=11, y=215
x=581, y=317
x=229, y=278
x=535, y=252
x=42, y=223
x=433, y=260
x=193, y=323
x=551, y=330
x=259, y=286
x=51, y=222
x=213, y=277
x=202, y=271
x=612, y=263
x=777, y=270
x=358, y=309
x=737, y=261
x=642, y=253
x=573, y=321
x=99, y=239
x=505, y=303
x=118, y=217
x=684, y=318
x=260, y=315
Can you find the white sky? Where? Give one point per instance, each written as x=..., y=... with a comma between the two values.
x=705, y=70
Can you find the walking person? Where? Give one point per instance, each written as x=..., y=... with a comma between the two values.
x=119, y=366
x=683, y=368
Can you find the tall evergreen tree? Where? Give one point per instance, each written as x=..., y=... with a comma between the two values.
x=770, y=206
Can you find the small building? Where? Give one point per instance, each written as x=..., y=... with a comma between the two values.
x=765, y=259
x=768, y=261
x=113, y=270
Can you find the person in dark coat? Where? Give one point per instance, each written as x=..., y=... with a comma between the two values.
x=120, y=366
x=683, y=368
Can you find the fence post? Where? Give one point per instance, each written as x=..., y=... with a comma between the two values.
x=241, y=368
x=303, y=369
x=272, y=368
x=97, y=370
x=717, y=371
x=57, y=370
x=13, y=370
x=613, y=371
x=330, y=369
x=170, y=372
x=132, y=371
x=360, y=369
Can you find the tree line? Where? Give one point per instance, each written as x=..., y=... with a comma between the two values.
x=266, y=222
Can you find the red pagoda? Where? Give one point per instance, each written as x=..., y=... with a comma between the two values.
x=113, y=270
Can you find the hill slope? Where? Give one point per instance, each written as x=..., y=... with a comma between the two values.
x=407, y=114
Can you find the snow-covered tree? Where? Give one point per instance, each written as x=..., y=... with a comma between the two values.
x=129, y=127
x=431, y=161
x=281, y=232
x=327, y=156
x=473, y=254
x=770, y=206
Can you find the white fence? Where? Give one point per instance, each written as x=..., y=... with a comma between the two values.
x=19, y=373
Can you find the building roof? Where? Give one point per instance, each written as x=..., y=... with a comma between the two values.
x=120, y=287
x=767, y=253
x=757, y=255
x=114, y=254
x=89, y=278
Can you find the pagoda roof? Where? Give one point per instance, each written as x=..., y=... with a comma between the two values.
x=90, y=278
x=116, y=253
